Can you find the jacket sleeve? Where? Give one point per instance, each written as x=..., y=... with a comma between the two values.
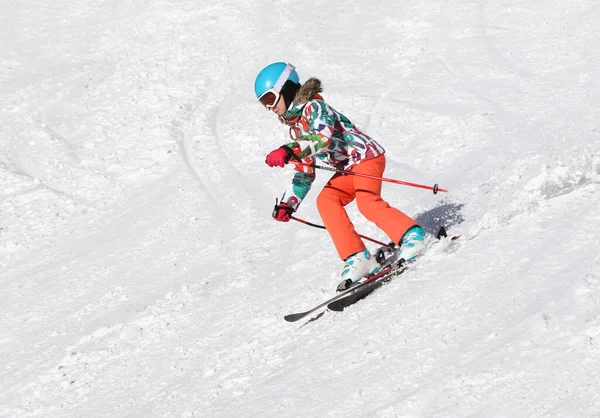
x=318, y=122
x=300, y=185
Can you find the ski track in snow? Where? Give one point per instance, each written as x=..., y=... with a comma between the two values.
x=142, y=274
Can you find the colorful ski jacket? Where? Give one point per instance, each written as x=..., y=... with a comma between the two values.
x=319, y=132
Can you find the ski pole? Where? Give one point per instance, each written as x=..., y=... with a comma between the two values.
x=435, y=187
x=322, y=227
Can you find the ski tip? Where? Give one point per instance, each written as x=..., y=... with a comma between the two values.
x=336, y=307
x=294, y=317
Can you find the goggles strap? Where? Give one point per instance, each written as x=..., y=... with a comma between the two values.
x=287, y=72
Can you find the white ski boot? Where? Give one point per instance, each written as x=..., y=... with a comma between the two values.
x=358, y=266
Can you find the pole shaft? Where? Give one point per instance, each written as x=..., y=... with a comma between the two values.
x=435, y=188
x=322, y=227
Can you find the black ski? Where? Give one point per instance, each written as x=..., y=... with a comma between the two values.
x=383, y=274
x=360, y=291
x=365, y=290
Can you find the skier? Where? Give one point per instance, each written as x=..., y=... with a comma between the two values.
x=318, y=131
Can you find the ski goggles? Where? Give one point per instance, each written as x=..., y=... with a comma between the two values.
x=270, y=97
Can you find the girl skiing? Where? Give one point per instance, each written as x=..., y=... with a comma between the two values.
x=319, y=132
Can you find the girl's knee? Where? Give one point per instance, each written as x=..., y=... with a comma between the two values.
x=370, y=204
x=323, y=201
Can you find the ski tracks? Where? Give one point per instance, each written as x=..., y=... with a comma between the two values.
x=184, y=131
x=205, y=154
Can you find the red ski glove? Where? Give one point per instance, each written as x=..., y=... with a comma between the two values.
x=283, y=212
x=279, y=157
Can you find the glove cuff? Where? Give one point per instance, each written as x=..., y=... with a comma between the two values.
x=292, y=202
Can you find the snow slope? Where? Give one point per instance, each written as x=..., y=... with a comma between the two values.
x=142, y=274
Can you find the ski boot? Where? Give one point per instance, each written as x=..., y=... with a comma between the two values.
x=413, y=243
x=358, y=266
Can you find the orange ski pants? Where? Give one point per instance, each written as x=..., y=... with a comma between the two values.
x=343, y=189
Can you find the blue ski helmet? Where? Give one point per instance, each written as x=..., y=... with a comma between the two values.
x=274, y=76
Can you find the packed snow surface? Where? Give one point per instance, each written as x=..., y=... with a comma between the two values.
x=143, y=276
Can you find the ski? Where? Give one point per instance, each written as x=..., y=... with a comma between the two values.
x=359, y=293
x=362, y=292
x=392, y=268
x=383, y=273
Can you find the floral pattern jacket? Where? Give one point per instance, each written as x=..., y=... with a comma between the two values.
x=319, y=132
